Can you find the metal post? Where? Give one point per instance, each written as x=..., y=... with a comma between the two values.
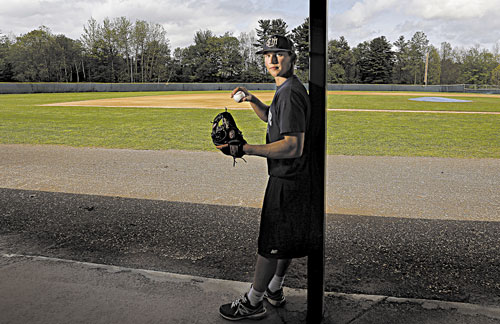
x=318, y=18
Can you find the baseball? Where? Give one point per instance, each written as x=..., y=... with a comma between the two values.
x=238, y=96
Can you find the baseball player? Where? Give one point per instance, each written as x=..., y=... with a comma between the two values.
x=285, y=226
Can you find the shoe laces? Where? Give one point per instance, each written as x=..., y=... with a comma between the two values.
x=243, y=299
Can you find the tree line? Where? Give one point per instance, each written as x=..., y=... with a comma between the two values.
x=119, y=50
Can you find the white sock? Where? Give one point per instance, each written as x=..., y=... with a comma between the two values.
x=255, y=297
x=276, y=283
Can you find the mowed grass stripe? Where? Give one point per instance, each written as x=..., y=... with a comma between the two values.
x=22, y=121
x=349, y=133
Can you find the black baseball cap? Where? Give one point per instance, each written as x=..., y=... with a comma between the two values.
x=277, y=43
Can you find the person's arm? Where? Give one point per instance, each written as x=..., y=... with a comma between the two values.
x=258, y=106
x=289, y=147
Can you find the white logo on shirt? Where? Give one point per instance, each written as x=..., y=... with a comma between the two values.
x=270, y=118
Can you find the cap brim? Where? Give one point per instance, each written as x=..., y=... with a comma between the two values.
x=273, y=50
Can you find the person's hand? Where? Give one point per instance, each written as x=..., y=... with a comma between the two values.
x=247, y=97
x=236, y=150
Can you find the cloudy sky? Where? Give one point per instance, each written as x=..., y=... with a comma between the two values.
x=460, y=22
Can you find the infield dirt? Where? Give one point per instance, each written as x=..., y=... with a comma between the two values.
x=195, y=100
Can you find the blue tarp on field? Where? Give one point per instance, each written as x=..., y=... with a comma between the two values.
x=438, y=99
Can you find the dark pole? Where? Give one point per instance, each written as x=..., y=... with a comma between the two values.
x=318, y=18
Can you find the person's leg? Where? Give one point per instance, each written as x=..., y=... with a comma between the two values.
x=265, y=268
x=282, y=267
x=276, y=282
x=274, y=292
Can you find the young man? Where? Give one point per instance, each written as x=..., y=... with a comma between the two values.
x=286, y=213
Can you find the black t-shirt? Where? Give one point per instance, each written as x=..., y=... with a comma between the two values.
x=289, y=112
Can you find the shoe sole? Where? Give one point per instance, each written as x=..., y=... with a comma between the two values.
x=251, y=317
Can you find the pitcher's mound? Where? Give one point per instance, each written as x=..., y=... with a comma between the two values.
x=438, y=99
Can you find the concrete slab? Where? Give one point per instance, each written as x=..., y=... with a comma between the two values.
x=48, y=290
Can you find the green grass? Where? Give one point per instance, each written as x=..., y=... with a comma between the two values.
x=410, y=134
x=22, y=121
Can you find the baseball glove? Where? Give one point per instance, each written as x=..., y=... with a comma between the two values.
x=225, y=131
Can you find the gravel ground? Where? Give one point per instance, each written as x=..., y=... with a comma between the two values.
x=153, y=210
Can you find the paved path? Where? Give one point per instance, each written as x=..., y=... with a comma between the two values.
x=434, y=188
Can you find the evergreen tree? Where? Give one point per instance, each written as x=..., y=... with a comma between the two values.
x=400, y=72
x=300, y=38
x=380, y=61
x=269, y=27
x=362, y=58
x=263, y=32
x=341, y=64
x=279, y=27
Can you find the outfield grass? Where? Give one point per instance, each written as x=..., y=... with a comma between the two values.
x=22, y=121
x=410, y=134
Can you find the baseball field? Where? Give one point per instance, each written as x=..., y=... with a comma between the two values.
x=359, y=123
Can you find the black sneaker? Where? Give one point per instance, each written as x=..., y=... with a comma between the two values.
x=242, y=309
x=277, y=299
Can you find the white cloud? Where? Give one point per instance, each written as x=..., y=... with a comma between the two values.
x=450, y=9
x=462, y=22
x=181, y=18
x=363, y=11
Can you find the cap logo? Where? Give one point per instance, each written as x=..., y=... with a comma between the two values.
x=272, y=42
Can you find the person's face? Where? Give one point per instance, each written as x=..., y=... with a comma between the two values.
x=278, y=63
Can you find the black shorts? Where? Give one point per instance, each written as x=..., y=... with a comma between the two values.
x=285, y=226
